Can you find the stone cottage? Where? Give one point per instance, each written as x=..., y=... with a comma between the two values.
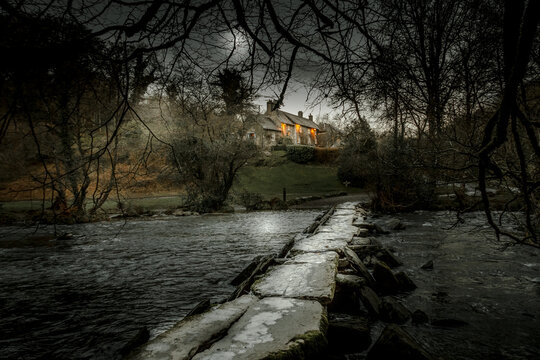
x=276, y=126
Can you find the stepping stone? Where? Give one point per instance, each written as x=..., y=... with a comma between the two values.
x=195, y=332
x=339, y=220
x=273, y=328
x=323, y=241
x=314, y=258
x=301, y=280
x=345, y=230
x=344, y=212
x=347, y=205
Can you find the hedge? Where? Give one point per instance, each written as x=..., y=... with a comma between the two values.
x=300, y=154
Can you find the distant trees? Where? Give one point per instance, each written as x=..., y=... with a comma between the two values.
x=209, y=144
x=65, y=94
x=357, y=161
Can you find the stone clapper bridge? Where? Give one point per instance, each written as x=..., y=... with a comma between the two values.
x=283, y=316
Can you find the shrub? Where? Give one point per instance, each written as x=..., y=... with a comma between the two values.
x=358, y=169
x=252, y=201
x=300, y=154
x=326, y=155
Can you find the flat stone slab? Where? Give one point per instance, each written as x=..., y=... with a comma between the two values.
x=313, y=280
x=189, y=335
x=344, y=212
x=347, y=205
x=348, y=220
x=344, y=230
x=322, y=241
x=272, y=326
x=314, y=258
x=318, y=246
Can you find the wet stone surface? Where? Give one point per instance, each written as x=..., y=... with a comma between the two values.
x=313, y=280
x=191, y=334
x=321, y=241
x=269, y=326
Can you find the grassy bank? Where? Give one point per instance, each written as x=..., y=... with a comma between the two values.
x=299, y=180
x=268, y=178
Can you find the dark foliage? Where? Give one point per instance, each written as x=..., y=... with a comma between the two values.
x=300, y=154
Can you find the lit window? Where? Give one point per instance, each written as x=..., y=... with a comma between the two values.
x=298, y=128
x=283, y=128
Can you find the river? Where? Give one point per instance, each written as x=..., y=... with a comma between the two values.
x=493, y=291
x=85, y=297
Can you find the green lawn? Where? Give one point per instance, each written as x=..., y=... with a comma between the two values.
x=299, y=180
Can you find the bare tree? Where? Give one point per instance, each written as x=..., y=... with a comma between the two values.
x=413, y=55
x=209, y=144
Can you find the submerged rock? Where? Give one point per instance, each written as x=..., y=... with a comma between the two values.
x=371, y=300
x=385, y=278
x=419, y=317
x=396, y=343
x=348, y=334
x=395, y=224
x=427, y=266
x=405, y=283
x=388, y=258
x=347, y=294
x=392, y=311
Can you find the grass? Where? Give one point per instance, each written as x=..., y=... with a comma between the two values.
x=273, y=174
x=299, y=180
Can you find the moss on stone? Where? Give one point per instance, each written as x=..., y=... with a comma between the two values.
x=311, y=345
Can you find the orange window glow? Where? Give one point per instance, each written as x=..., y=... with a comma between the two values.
x=283, y=128
x=298, y=128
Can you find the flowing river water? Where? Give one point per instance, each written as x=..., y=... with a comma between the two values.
x=85, y=297
x=485, y=298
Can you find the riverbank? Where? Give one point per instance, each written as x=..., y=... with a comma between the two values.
x=33, y=212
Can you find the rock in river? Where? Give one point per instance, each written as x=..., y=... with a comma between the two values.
x=396, y=343
x=392, y=311
x=348, y=334
x=385, y=278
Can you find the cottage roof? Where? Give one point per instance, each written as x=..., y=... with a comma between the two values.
x=267, y=123
x=280, y=115
x=300, y=120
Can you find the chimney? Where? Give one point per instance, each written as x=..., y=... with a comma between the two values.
x=310, y=117
x=300, y=114
x=269, y=106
